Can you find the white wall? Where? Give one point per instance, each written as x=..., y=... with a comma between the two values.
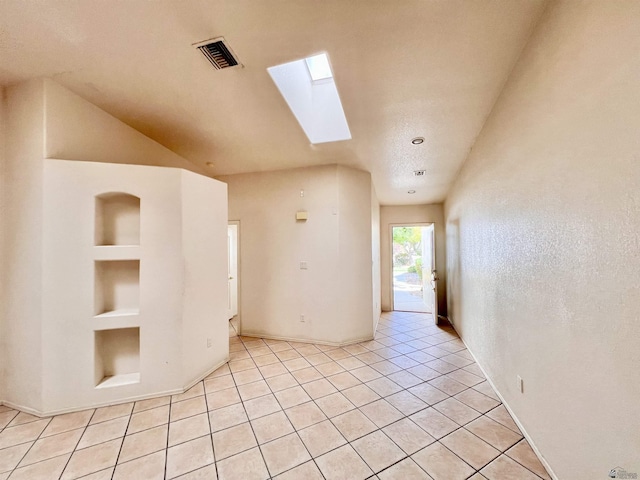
x=408, y=214
x=543, y=239
x=354, y=277
x=204, y=299
x=43, y=119
x=22, y=227
x=182, y=280
x=274, y=291
x=375, y=257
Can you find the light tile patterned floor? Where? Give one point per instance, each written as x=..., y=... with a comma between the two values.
x=411, y=404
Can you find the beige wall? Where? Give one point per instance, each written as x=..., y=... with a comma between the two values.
x=543, y=243
x=375, y=257
x=22, y=227
x=205, y=262
x=411, y=214
x=354, y=277
x=335, y=292
x=3, y=232
x=78, y=130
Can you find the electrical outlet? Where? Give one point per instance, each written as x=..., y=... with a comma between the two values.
x=302, y=320
x=520, y=384
x=304, y=265
x=208, y=343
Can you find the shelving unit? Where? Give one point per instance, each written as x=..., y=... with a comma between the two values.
x=117, y=289
x=117, y=357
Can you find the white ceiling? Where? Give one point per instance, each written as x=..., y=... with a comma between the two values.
x=403, y=68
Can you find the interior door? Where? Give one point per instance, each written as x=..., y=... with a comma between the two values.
x=232, y=236
x=429, y=273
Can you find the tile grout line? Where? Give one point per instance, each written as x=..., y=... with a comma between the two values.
x=166, y=449
x=123, y=437
x=34, y=442
x=213, y=448
x=84, y=429
x=78, y=443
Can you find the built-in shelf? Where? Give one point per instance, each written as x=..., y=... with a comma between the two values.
x=117, y=357
x=117, y=287
x=119, y=380
x=117, y=219
x=116, y=252
x=123, y=312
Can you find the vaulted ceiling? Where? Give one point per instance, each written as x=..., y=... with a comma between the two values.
x=403, y=69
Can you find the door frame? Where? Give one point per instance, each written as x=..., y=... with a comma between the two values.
x=390, y=266
x=239, y=275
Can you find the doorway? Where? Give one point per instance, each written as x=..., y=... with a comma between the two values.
x=413, y=269
x=232, y=294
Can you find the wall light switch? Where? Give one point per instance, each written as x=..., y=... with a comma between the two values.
x=302, y=215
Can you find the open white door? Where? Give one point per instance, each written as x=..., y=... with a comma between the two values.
x=232, y=234
x=429, y=274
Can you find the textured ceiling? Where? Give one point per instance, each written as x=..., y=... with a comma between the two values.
x=403, y=68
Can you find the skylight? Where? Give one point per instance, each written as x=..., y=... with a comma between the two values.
x=319, y=67
x=309, y=89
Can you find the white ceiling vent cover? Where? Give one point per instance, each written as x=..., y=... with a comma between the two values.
x=218, y=53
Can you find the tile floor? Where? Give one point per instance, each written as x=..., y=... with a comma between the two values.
x=411, y=404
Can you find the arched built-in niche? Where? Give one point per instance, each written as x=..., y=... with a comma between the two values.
x=117, y=219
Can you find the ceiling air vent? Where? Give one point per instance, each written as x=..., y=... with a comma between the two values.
x=419, y=173
x=218, y=53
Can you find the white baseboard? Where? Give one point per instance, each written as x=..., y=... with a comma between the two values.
x=201, y=377
x=135, y=398
x=506, y=405
x=303, y=340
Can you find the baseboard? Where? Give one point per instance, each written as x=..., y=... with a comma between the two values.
x=201, y=377
x=302, y=340
x=506, y=405
x=135, y=398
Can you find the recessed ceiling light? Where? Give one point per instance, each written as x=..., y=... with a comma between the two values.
x=411, y=192
x=417, y=140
